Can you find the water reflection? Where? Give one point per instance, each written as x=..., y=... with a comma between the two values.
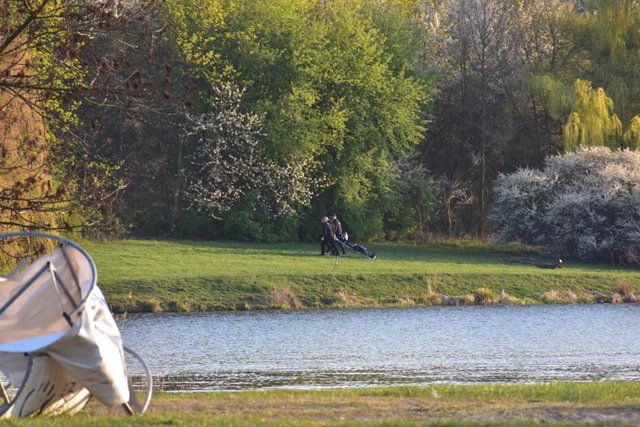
x=373, y=347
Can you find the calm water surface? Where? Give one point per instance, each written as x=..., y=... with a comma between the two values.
x=375, y=347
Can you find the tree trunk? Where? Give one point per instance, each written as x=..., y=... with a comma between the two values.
x=178, y=187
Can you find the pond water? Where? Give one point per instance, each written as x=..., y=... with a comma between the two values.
x=379, y=347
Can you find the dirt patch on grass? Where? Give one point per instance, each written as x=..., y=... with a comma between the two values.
x=322, y=408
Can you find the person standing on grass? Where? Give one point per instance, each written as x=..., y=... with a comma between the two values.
x=337, y=229
x=328, y=237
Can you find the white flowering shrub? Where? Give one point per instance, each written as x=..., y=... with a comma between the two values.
x=587, y=203
x=227, y=164
x=518, y=206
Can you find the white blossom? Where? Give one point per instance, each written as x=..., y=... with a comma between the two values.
x=587, y=203
x=227, y=162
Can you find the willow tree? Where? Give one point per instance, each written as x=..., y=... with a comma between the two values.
x=588, y=115
x=612, y=40
x=631, y=137
x=592, y=122
x=595, y=96
x=607, y=32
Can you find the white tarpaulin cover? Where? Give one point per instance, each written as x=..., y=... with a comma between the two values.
x=58, y=335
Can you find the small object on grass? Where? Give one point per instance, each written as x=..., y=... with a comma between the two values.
x=557, y=264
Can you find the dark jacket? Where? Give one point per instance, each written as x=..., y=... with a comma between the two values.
x=337, y=227
x=327, y=230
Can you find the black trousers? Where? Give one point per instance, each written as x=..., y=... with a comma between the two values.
x=329, y=244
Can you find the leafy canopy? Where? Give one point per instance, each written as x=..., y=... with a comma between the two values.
x=335, y=82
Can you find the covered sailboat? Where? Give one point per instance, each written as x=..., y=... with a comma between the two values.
x=59, y=343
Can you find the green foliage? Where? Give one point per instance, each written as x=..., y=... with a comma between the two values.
x=347, y=116
x=606, y=45
x=247, y=224
x=400, y=220
x=588, y=114
x=632, y=135
x=195, y=224
x=611, y=38
x=37, y=76
x=241, y=226
x=200, y=49
x=37, y=62
x=558, y=97
x=413, y=201
x=592, y=122
x=253, y=226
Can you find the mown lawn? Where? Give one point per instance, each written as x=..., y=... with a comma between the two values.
x=571, y=404
x=155, y=275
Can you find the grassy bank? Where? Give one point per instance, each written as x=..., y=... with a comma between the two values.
x=487, y=405
x=154, y=276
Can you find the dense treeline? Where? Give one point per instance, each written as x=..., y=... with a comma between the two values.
x=235, y=119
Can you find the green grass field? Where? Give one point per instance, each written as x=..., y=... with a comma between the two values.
x=567, y=404
x=151, y=275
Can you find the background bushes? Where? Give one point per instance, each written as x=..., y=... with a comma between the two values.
x=585, y=203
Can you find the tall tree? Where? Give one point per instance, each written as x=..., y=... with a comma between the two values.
x=137, y=90
x=481, y=47
x=611, y=38
x=56, y=56
x=605, y=42
x=592, y=121
x=34, y=81
x=346, y=117
x=490, y=116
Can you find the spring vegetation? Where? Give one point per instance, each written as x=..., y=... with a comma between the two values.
x=234, y=120
x=563, y=404
x=583, y=202
x=185, y=276
x=175, y=124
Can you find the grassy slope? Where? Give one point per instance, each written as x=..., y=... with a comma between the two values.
x=146, y=275
x=484, y=405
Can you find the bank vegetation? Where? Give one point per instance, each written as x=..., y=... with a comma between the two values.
x=187, y=276
x=224, y=120
x=565, y=404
